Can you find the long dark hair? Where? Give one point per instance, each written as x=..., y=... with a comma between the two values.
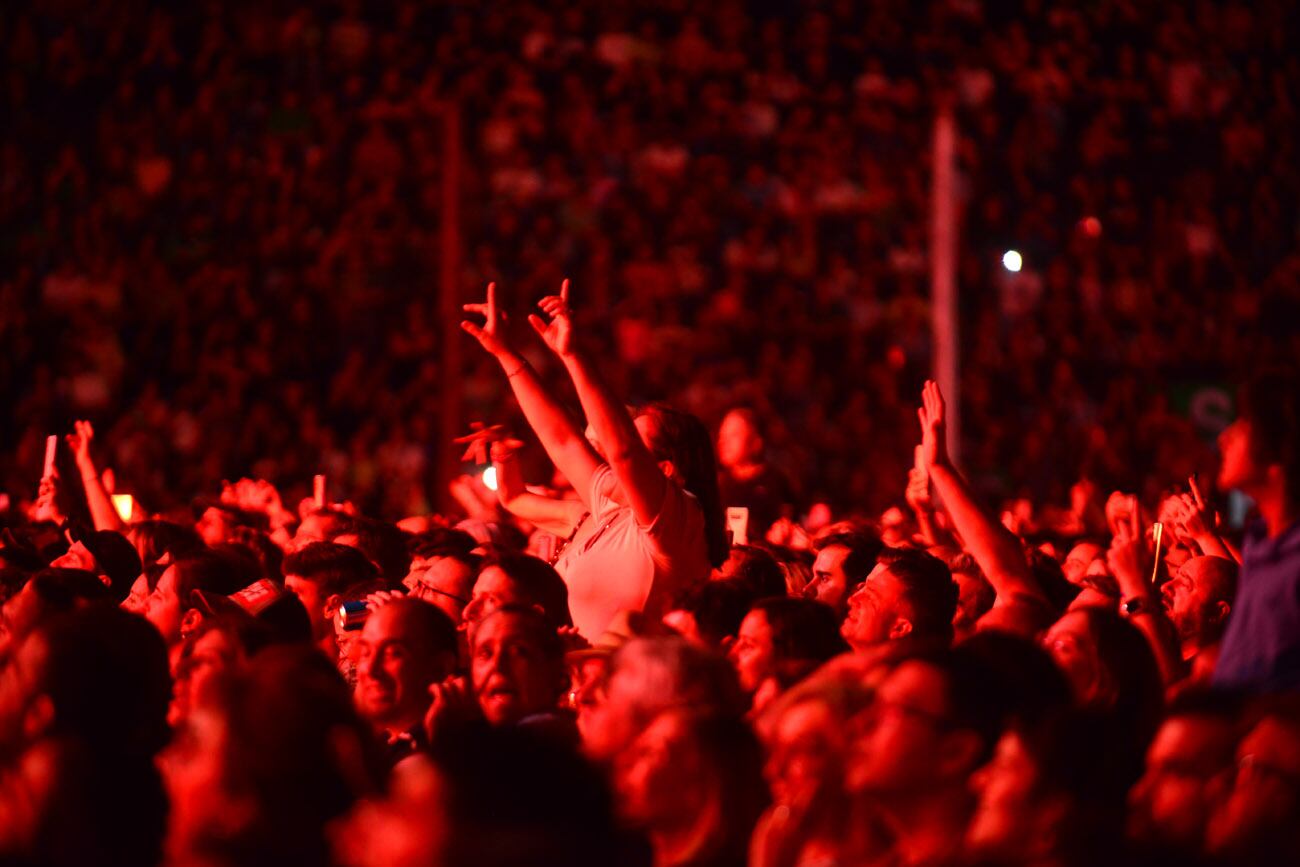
x=683, y=439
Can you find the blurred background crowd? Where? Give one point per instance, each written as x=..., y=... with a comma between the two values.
x=220, y=226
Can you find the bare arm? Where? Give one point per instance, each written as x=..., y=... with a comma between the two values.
x=994, y=548
x=1131, y=572
x=567, y=448
x=102, y=511
x=643, y=482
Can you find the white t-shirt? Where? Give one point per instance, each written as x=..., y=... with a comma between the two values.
x=615, y=563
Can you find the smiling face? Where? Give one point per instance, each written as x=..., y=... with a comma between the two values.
x=163, y=607
x=1074, y=651
x=395, y=667
x=513, y=676
x=877, y=611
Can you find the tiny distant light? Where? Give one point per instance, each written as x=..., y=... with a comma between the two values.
x=490, y=478
x=1091, y=227
x=1011, y=261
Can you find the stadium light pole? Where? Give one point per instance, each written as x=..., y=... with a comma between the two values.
x=943, y=269
x=449, y=304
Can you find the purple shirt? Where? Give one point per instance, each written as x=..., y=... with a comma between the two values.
x=1261, y=648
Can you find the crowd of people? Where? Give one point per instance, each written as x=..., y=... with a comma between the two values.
x=752, y=604
x=633, y=667
x=195, y=197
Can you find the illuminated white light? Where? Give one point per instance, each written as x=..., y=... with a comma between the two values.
x=1011, y=261
x=490, y=478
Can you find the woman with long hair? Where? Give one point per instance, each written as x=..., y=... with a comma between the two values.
x=653, y=519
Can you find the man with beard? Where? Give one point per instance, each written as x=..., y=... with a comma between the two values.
x=1198, y=600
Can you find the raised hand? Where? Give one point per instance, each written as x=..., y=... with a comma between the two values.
x=934, y=428
x=918, y=491
x=491, y=335
x=451, y=701
x=1128, y=555
x=488, y=441
x=558, y=333
x=79, y=443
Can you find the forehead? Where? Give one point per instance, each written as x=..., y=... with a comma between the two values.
x=493, y=579
x=501, y=625
x=830, y=557
x=755, y=623
x=388, y=623
x=1084, y=551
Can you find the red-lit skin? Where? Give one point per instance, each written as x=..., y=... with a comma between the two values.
x=395, y=668
x=877, y=611
x=1188, y=771
x=511, y=676
x=829, y=583
x=752, y=653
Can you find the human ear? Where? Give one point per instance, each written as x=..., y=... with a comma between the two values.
x=901, y=629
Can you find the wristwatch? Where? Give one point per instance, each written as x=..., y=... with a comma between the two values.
x=1134, y=605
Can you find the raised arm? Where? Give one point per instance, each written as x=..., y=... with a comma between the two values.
x=1129, y=563
x=567, y=448
x=643, y=482
x=994, y=548
x=102, y=512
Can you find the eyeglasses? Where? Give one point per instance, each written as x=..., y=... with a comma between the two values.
x=421, y=590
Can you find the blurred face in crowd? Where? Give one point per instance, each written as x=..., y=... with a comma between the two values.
x=314, y=599
x=163, y=607
x=213, y=655
x=215, y=526
x=316, y=527
x=1264, y=797
x=829, y=583
x=21, y=721
x=752, y=652
x=136, y=600
x=1194, y=600
x=18, y=617
x=76, y=557
x=1007, y=808
x=805, y=752
x=511, y=675
x=1081, y=557
x=395, y=668
x=738, y=441
x=192, y=767
x=1074, y=650
x=613, y=718
x=1238, y=465
x=442, y=581
x=877, y=610
x=658, y=778
x=587, y=689
x=493, y=589
x=1187, y=769
x=906, y=744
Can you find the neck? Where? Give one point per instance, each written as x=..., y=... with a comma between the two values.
x=681, y=843
x=928, y=825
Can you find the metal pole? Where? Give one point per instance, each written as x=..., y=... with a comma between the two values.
x=449, y=306
x=943, y=271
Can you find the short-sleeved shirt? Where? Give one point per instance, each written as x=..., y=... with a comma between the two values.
x=1261, y=647
x=619, y=564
